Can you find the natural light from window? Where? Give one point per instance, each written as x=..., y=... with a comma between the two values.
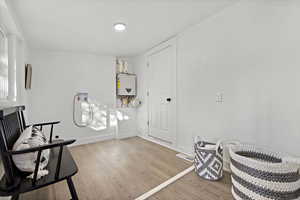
x=99, y=117
x=3, y=67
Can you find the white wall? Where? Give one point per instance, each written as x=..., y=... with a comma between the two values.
x=58, y=76
x=249, y=52
x=21, y=60
x=140, y=64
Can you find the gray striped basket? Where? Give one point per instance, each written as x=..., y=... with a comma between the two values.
x=259, y=174
x=208, y=162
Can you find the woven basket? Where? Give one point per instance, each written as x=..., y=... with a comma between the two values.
x=259, y=174
x=208, y=159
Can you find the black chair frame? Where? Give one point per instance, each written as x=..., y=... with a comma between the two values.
x=61, y=165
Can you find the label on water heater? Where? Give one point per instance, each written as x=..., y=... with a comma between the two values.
x=119, y=84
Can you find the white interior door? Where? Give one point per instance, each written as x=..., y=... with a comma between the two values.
x=162, y=89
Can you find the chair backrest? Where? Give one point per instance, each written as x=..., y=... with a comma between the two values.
x=11, y=126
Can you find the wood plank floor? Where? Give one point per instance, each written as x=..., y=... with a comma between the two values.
x=192, y=187
x=125, y=169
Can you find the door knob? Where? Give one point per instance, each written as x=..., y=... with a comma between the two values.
x=169, y=99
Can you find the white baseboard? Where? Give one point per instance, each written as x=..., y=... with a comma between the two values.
x=173, y=148
x=93, y=139
x=162, y=144
x=127, y=134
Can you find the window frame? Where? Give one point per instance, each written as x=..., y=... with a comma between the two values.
x=7, y=101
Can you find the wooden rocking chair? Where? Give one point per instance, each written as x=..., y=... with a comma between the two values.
x=61, y=165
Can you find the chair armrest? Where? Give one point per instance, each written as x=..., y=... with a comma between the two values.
x=44, y=123
x=57, y=143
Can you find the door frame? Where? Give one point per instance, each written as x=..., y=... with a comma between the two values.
x=158, y=48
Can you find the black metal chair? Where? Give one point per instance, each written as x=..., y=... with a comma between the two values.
x=61, y=165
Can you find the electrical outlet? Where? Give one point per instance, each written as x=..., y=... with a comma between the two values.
x=82, y=96
x=219, y=97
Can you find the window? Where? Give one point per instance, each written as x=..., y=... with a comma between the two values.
x=3, y=66
x=99, y=116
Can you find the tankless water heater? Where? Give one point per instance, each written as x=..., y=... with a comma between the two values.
x=126, y=84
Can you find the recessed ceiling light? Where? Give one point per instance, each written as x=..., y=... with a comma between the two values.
x=120, y=27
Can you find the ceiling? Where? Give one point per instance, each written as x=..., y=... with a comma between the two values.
x=87, y=25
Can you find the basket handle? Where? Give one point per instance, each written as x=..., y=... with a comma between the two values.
x=232, y=143
x=292, y=160
x=219, y=145
x=197, y=139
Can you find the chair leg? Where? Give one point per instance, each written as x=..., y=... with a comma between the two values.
x=72, y=189
x=15, y=197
